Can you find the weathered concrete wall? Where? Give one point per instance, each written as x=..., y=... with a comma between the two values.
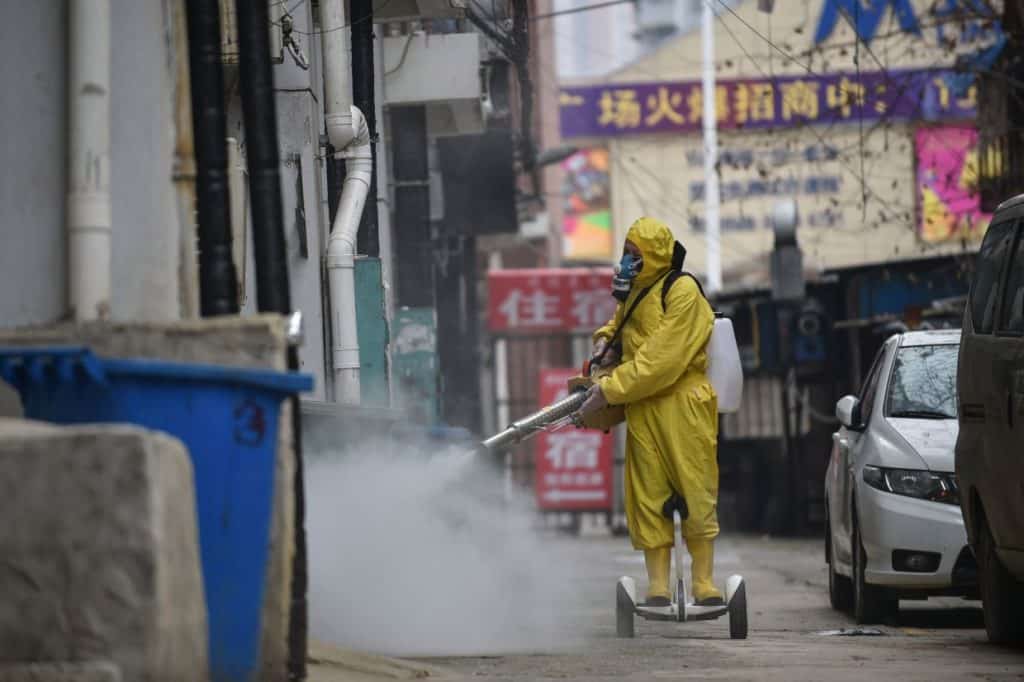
x=33, y=259
x=85, y=579
x=238, y=342
x=145, y=252
x=33, y=180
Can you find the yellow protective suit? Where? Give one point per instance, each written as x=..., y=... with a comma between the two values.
x=671, y=411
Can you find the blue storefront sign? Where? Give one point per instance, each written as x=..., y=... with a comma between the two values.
x=618, y=109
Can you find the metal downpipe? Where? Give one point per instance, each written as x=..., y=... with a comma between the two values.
x=218, y=288
x=258, y=109
x=272, y=284
x=341, y=252
x=349, y=134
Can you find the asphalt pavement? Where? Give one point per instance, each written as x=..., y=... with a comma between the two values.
x=794, y=633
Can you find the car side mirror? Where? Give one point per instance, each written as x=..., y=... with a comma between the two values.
x=848, y=412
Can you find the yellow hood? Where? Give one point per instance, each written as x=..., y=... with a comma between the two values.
x=655, y=241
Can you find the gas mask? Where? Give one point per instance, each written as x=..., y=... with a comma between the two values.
x=625, y=272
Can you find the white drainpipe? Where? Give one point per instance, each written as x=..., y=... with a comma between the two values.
x=350, y=137
x=337, y=74
x=88, y=199
x=341, y=251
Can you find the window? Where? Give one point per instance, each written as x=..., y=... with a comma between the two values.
x=984, y=289
x=868, y=391
x=1012, y=320
x=923, y=384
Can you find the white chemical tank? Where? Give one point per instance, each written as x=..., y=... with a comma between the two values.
x=725, y=371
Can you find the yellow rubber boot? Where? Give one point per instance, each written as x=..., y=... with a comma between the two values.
x=703, y=554
x=659, y=564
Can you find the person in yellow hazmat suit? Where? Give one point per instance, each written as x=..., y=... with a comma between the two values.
x=671, y=408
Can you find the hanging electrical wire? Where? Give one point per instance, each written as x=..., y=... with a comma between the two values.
x=576, y=10
x=821, y=138
x=515, y=45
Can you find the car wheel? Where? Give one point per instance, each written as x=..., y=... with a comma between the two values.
x=840, y=588
x=1002, y=596
x=870, y=603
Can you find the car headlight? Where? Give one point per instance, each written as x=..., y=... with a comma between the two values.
x=924, y=485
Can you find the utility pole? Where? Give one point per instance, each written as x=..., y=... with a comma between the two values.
x=714, y=257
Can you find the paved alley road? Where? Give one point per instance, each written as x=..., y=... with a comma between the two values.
x=789, y=609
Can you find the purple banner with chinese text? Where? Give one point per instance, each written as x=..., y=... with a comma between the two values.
x=618, y=109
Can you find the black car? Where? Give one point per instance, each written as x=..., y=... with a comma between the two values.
x=990, y=446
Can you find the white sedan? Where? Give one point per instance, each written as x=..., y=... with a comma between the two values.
x=894, y=528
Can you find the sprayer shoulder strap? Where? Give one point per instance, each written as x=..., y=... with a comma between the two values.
x=629, y=313
x=632, y=307
x=672, y=277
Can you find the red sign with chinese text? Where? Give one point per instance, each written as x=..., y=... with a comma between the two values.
x=549, y=299
x=574, y=466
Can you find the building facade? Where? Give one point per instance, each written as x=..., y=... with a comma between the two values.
x=873, y=138
x=871, y=131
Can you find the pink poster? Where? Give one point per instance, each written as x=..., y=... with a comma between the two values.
x=947, y=180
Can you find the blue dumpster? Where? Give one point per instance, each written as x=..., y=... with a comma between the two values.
x=227, y=417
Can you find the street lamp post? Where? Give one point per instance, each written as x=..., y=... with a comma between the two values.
x=788, y=288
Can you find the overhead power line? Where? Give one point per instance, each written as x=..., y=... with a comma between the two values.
x=821, y=138
x=766, y=39
x=585, y=8
x=354, y=22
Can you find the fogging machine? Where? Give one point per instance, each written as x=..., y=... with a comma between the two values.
x=563, y=412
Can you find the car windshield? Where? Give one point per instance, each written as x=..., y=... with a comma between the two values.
x=923, y=384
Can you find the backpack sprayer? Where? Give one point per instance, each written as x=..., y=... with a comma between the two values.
x=562, y=413
x=725, y=373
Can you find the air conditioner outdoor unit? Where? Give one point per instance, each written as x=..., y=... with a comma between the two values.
x=656, y=19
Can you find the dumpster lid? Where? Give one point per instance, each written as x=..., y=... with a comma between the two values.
x=65, y=363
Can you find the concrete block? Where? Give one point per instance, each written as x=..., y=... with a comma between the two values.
x=277, y=599
x=255, y=342
x=100, y=551
x=60, y=672
x=10, y=403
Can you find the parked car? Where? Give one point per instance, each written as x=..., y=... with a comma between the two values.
x=990, y=449
x=894, y=528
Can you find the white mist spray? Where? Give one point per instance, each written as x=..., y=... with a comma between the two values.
x=415, y=553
